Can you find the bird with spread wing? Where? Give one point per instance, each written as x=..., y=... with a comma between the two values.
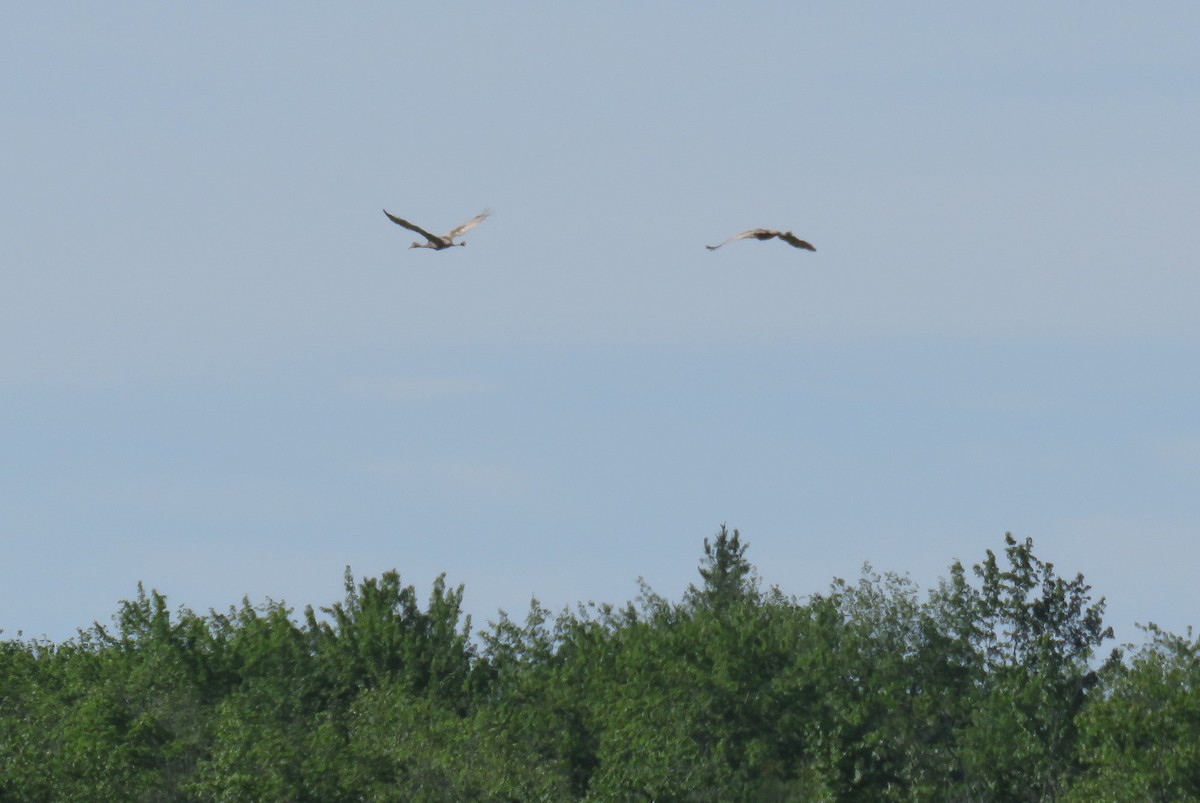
x=767, y=234
x=435, y=241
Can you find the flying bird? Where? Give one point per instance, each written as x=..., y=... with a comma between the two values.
x=767, y=234
x=438, y=242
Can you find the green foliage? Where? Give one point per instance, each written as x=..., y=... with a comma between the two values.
x=728, y=576
x=1037, y=634
x=1141, y=739
x=985, y=689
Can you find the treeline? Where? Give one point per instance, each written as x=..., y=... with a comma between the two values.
x=989, y=688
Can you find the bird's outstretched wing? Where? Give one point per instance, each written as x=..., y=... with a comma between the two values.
x=742, y=236
x=795, y=241
x=470, y=224
x=767, y=234
x=411, y=227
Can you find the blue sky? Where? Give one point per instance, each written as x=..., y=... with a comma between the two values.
x=223, y=373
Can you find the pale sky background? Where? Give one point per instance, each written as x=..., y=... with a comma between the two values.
x=223, y=373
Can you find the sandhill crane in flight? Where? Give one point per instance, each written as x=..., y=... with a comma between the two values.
x=767, y=234
x=436, y=242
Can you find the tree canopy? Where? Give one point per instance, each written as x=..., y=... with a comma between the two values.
x=992, y=686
